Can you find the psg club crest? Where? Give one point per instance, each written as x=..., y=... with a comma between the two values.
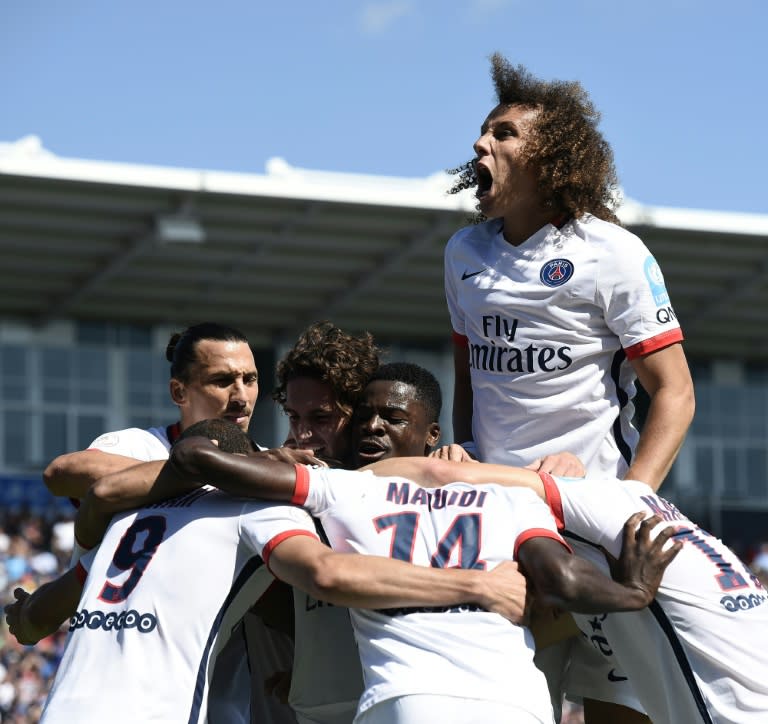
x=556, y=272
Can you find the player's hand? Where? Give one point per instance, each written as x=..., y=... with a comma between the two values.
x=564, y=464
x=643, y=560
x=289, y=455
x=507, y=592
x=278, y=685
x=16, y=620
x=454, y=452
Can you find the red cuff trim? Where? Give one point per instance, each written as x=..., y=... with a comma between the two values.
x=81, y=573
x=552, y=499
x=301, y=486
x=278, y=539
x=654, y=344
x=459, y=340
x=539, y=533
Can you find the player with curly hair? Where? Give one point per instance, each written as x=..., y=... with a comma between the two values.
x=320, y=381
x=557, y=311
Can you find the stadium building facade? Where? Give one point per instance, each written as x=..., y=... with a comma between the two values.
x=101, y=262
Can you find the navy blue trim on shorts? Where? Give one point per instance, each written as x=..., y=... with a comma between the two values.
x=624, y=450
x=682, y=660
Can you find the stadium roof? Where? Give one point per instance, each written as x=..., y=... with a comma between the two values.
x=272, y=252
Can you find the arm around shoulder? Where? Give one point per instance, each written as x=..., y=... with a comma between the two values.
x=72, y=474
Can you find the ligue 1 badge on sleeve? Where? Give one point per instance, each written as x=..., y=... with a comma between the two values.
x=656, y=281
x=556, y=272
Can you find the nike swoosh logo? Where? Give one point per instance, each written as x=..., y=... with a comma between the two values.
x=467, y=275
x=615, y=677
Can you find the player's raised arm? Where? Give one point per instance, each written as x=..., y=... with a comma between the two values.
x=574, y=584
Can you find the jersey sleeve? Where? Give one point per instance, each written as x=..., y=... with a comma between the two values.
x=132, y=443
x=595, y=510
x=264, y=526
x=451, y=297
x=322, y=488
x=535, y=518
x=634, y=297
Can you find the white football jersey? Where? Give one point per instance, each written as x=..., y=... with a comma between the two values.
x=698, y=652
x=165, y=588
x=133, y=442
x=551, y=325
x=327, y=679
x=461, y=650
x=240, y=664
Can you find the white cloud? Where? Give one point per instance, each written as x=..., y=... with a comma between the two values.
x=377, y=17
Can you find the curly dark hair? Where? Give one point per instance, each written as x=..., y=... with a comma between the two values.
x=575, y=163
x=325, y=353
x=424, y=383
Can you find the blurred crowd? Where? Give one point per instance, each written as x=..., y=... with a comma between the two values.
x=35, y=548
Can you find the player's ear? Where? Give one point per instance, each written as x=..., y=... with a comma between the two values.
x=433, y=434
x=178, y=391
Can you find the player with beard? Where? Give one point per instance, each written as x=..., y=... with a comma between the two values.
x=212, y=375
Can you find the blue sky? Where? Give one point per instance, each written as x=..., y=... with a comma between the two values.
x=394, y=87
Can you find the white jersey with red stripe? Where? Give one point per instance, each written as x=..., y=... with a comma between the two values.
x=698, y=652
x=240, y=664
x=551, y=325
x=461, y=650
x=153, y=443
x=162, y=593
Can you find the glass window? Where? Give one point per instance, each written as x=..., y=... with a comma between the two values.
x=92, y=333
x=131, y=336
x=14, y=364
x=706, y=412
x=733, y=471
x=755, y=400
x=91, y=376
x=89, y=427
x=756, y=466
x=54, y=434
x=705, y=469
x=16, y=438
x=139, y=381
x=142, y=421
x=731, y=420
x=56, y=368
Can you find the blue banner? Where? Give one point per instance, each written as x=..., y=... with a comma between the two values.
x=19, y=492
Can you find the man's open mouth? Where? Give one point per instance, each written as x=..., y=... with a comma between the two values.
x=371, y=449
x=484, y=180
